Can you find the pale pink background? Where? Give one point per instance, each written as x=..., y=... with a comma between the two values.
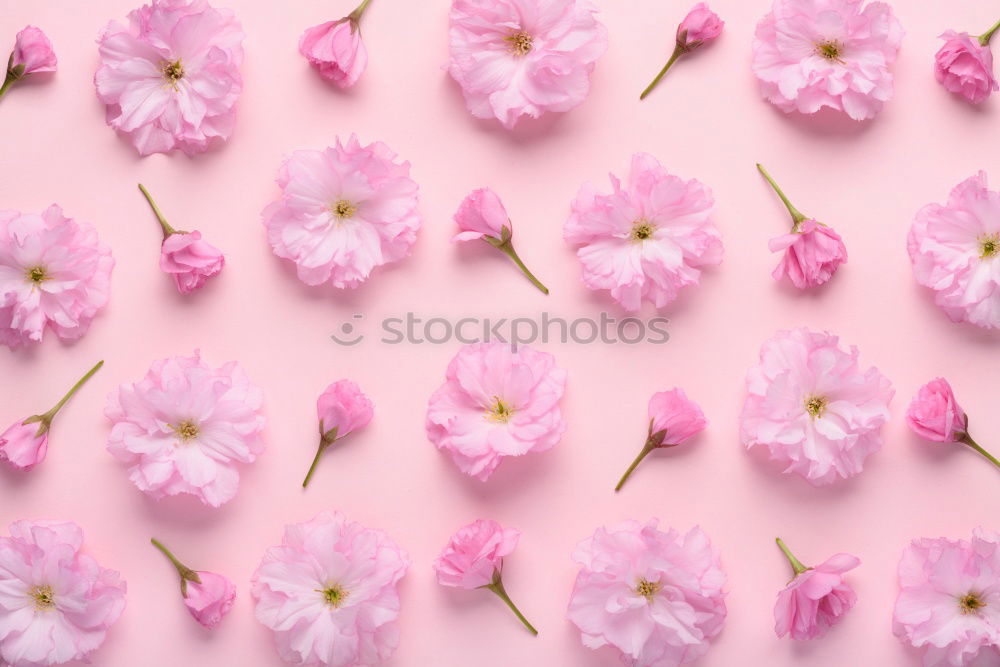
x=705, y=121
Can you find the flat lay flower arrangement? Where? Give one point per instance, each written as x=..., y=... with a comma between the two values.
x=215, y=456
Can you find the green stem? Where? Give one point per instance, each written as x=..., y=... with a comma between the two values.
x=497, y=587
x=984, y=38
x=508, y=249
x=47, y=417
x=796, y=563
x=678, y=52
x=355, y=16
x=167, y=229
x=7, y=83
x=967, y=439
x=645, y=452
x=323, y=444
x=797, y=217
x=186, y=573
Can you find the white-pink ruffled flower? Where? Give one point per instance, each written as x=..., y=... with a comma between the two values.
x=208, y=596
x=335, y=48
x=185, y=426
x=342, y=408
x=816, y=598
x=813, y=408
x=171, y=77
x=810, y=54
x=955, y=251
x=949, y=600
x=329, y=593
x=657, y=597
x=496, y=402
x=964, y=66
x=648, y=238
x=343, y=212
x=56, y=603
x=54, y=274
x=515, y=58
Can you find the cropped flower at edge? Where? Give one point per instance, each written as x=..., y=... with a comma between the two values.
x=54, y=274
x=949, y=600
x=813, y=408
x=32, y=54
x=58, y=604
x=171, y=78
x=701, y=26
x=655, y=597
x=482, y=216
x=935, y=414
x=342, y=409
x=648, y=238
x=816, y=598
x=810, y=54
x=964, y=65
x=328, y=592
x=474, y=557
x=208, y=596
x=516, y=58
x=335, y=48
x=25, y=443
x=343, y=212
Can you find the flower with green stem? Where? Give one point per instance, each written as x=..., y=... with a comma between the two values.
x=699, y=27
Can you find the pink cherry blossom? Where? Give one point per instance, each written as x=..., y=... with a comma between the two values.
x=184, y=428
x=949, y=600
x=171, y=77
x=701, y=26
x=483, y=216
x=656, y=597
x=673, y=419
x=336, y=50
x=329, y=593
x=816, y=598
x=964, y=66
x=935, y=414
x=813, y=408
x=32, y=51
x=496, y=402
x=343, y=212
x=57, y=604
x=955, y=251
x=515, y=58
x=343, y=408
x=810, y=54
x=208, y=596
x=648, y=238
x=54, y=274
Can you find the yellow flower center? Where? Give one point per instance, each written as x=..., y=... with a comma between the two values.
x=642, y=230
x=520, y=43
x=989, y=246
x=172, y=71
x=829, y=50
x=36, y=274
x=334, y=595
x=499, y=411
x=971, y=603
x=647, y=589
x=815, y=405
x=343, y=209
x=187, y=430
x=43, y=597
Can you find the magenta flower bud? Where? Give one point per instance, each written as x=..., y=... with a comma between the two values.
x=342, y=408
x=700, y=26
x=935, y=414
x=207, y=595
x=336, y=50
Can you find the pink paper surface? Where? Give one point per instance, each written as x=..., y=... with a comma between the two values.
x=707, y=121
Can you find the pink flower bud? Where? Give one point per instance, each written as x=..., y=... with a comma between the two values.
x=211, y=599
x=335, y=49
x=22, y=446
x=481, y=214
x=673, y=412
x=344, y=407
x=813, y=252
x=934, y=413
x=189, y=260
x=965, y=67
x=816, y=599
x=474, y=554
x=33, y=50
x=699, y=27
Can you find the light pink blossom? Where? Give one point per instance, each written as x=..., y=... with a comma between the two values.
x=673, y=419
x=955, y=251
x=496, y=402
x=810, y=54
x=171, y=77
x=329, y=593
x=701, y=26
x=57, y=604
x=336, y=50
x=648, y=238
x=208, y=596
x=813, y=408
x=816, y=598
x=515, y=58
x=964, y=66
x=483, y=216
x=656, y=597
x=949, y=600
x=54, y=274
x=25, y=443
x=935, y=414
x=32, y=51
x=343, y=408
x=343, y=212
x=184, y=428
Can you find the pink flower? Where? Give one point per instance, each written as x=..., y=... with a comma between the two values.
x=171, y=78
x=32, y=52
x=329, y=593
x=57, y=603
x=964, y=66
x=648, y=238
x=343, y=408
x=335, y=48
x=673, y=419
x=343, y=212
x=474, y=559
x=185, y=426
x=54, y=273
x=24, y=444
x=654, y=596
x=810, y=54
x=699, y=27
x=207, y=595
x=496, y=402
x=816, y=598
x=955, y=251
x=517, y=58
x=483, y=216
x=935, y=414
x=809, y=403
x=949, y=600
